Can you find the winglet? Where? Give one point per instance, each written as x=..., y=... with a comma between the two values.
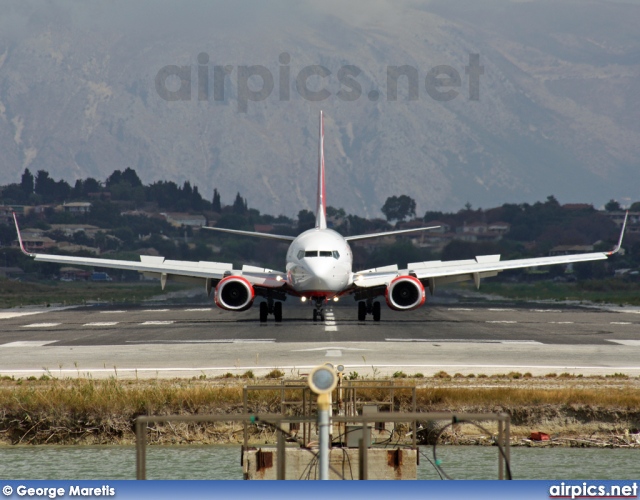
x=321, y=209
x=15, y=219
x=624, y=225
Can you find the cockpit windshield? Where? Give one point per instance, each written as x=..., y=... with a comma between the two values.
x=318, y=253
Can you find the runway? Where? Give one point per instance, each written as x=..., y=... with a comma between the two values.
x=478, y=337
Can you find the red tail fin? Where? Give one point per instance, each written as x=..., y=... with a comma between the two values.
x=321, y=209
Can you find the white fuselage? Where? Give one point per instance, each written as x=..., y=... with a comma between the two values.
x=319, y=263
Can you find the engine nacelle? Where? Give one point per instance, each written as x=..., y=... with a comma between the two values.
x=405, y=293
x=234, y=293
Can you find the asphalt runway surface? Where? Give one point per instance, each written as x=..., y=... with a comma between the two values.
x=187, y=340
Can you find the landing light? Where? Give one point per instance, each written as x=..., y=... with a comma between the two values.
x=335, y=299
x=303, y=299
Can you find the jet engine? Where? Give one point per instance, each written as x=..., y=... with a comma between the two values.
x=405, y=293
x=234, y=293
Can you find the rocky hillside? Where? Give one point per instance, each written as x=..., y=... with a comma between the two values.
x=558, y=109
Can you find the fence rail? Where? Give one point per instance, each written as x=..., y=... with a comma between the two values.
x=503, y=437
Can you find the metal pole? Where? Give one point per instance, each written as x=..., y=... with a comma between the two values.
x=323, y=427
x=507, y=442
x=500, y=457
x=415, y=422
x=364, y=453
x=141, y=450
x=304, y=414
x=281, y=457
x=245, y=430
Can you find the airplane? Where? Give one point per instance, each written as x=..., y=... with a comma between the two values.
x=319, y=269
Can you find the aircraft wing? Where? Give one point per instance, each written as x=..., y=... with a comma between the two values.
x=207, y=273
x=438, y=272
x=432, y=273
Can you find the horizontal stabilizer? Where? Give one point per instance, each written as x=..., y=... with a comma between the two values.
x=281, y=237
x=387, y=233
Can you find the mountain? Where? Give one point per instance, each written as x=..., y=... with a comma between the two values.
x=557, y=109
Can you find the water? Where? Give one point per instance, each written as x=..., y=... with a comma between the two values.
x=223, y=462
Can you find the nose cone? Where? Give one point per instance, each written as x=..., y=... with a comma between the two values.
x=318, y=274
x=321, y=267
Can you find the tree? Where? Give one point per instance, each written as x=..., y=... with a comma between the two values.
x=45, y=185
x=13, y=193
x=49, y=189
x=130, y=176
x=239, y=205
x=612, y=206
x=335, y=212
x=399, y=207
x=187, y=190
x=306, y=220
x=217, y=206
x=430, y=215
x=78, y=189
x=27, y=183
x=197, y=203
x=114, y=178
x=552, y=200
x=590, y=270
x=635, y=207
x=91, y=185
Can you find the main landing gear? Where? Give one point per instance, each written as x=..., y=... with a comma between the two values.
x=368, y=307
x=271, y=307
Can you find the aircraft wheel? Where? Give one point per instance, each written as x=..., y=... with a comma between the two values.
x=264, y=312
x=376, y=311
x=277, y=312
x=315, y=315
x=362, y=311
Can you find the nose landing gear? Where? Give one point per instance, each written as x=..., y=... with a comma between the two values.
x=318, y=312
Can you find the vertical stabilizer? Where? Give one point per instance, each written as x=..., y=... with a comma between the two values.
x=321, y=209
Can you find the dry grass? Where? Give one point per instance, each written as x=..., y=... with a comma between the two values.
x=87, y=396
x=512, y=396
x=76, y=411
x=131, y=397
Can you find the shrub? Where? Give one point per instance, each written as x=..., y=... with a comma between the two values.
x=618, y=375
x=399, y=374
x=275, y=373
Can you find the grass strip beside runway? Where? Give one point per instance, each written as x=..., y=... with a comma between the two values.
x=16, y=293
x=609, y=291
x=87, y=411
